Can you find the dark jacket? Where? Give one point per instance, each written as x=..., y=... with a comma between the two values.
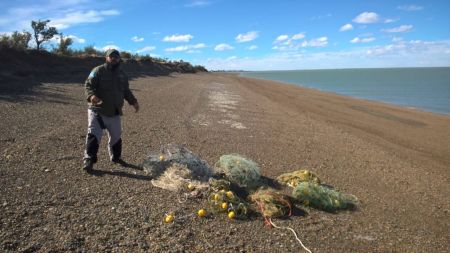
x=110, y=86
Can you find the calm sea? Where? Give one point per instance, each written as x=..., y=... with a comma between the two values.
x=422, y=88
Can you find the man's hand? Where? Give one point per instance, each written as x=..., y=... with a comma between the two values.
x=136, y=106
x=95, y=100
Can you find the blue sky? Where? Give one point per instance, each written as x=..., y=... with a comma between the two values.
x=253, y=35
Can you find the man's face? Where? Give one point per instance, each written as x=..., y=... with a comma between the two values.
x=113, y=59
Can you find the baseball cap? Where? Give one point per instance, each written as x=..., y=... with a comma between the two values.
x=112, y=51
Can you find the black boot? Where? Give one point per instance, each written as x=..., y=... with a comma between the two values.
x=91, y=153
x=116, y=151
x=88, y=166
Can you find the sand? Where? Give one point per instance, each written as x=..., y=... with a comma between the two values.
x=395, y=160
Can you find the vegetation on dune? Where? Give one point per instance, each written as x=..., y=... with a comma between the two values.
x=43, y=33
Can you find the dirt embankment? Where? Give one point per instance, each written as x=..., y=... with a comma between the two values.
x=22, y=70
x=394, y=160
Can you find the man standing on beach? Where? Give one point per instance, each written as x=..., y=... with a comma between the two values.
x=106, y=88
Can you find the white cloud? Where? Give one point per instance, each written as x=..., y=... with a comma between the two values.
x=400, y=29
x=286, y=43
x=197, y=3
x=77, y=39
x=252, y=47
x=222, y=47
x=298, y=36
x=411, y=7
x=281, y=38
x=185, y=48
x=366, y=18
x=110, y=47
x=178, y=38
x=319, y=42
x=390, y=20
x=362, y=40
x=81, y=17
x=246, y=37
x=18, y=17
x=346, y=27
x=405, y=54
x=137, y=39
x=145, y=49
x=56, y=39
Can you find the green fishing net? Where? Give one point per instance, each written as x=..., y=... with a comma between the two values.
x=292, y=179
x=271, y=203
x=223, y=201
x=322, y=197
x=239, y=170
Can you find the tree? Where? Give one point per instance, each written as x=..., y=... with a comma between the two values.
x=42, y=33
x=64, y=44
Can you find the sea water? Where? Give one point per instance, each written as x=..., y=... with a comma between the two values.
x=422, y=88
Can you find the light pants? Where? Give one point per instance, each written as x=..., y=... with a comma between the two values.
x=96, y=124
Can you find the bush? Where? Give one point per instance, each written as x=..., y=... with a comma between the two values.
x=17, y=40
x=125, y=55
x=91, y=51
x=64, y=44
x=200, y=68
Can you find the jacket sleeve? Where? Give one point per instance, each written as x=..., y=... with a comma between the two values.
x=128, y=95
x=91, y=84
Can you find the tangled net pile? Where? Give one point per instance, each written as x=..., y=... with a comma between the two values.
x=223, y=200
x=234, y=187
x=323, y=198
x=239, y=170
x=292, y=179
x=175, y=166
x=271, y=204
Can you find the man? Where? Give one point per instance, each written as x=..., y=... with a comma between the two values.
x=106, y=88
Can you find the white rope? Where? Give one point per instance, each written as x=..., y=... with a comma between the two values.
x=185, y=196
x=295, y=234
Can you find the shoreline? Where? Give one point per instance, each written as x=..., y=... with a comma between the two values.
x=417, y=107
x=395, y=160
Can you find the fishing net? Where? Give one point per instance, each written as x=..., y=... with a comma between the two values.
x=156, y=163
x=239, y=170
x=177, y=177
x=292, y=179
x=175, y=166
x=271, y=203
x=223, y=201
x=323, y=198
x=219, y=184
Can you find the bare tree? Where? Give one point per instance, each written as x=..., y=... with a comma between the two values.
x=42, y=33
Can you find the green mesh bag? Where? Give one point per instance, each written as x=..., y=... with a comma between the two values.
x=239, y=170
x=323, y=198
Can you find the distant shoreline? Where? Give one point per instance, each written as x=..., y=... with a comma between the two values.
x=415, y=99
